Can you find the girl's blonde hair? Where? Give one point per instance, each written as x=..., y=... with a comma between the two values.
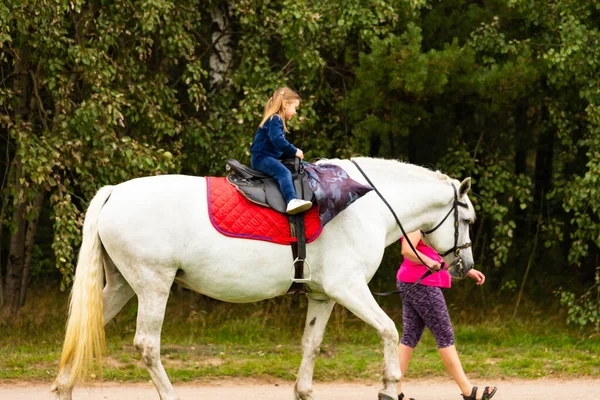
x=276, y=103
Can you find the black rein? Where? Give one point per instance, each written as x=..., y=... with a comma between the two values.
x=456, y=249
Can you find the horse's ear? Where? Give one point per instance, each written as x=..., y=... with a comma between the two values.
x=465, y=186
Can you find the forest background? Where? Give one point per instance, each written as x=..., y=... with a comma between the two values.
x=97, y=92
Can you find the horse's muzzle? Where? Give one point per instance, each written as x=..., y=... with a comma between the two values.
x=458, y=269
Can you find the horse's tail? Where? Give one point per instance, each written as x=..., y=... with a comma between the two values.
x=84, y=339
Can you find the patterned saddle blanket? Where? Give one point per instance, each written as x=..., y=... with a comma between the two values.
x=234, y=215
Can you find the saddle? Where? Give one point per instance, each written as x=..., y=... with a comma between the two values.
x=262, y=189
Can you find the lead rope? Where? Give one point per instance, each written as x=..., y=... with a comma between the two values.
x=429, y=269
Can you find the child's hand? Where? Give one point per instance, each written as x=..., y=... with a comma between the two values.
x=300, y=154
x=477, y=275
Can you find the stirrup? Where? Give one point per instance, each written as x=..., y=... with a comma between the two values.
x=300, y=280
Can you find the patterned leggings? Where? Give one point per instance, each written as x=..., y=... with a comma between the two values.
x=424, y=306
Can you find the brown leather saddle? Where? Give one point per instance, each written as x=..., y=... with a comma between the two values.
x=261, y=189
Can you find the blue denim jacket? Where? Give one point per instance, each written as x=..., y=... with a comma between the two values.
x=270, y=140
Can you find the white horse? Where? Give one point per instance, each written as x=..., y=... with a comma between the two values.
x=144, y=234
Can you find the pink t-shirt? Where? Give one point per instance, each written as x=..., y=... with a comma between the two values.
x=410, y=272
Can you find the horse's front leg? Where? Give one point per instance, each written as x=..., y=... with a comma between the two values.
x=316, y=320
x=356, y=297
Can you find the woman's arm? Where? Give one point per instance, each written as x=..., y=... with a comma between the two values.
x=408, y=253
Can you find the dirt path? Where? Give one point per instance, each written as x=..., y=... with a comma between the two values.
x=250, y=390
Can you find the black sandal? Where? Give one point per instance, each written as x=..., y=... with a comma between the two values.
x=485, y=396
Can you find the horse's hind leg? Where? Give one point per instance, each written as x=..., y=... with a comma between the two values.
x=117, y=291
x=316, y=320
x=152, y=284
x=151, y=313
x=357, y=298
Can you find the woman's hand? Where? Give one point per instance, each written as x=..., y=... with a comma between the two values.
x=300, y=154
x=434, y=265
x=477, y=275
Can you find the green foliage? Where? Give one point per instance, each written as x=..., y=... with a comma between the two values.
x=98, y=92
x=512, y=104
x=405, y=89
x=104, y=101
x=395, y=78
x=309, y=46
x=585, y=309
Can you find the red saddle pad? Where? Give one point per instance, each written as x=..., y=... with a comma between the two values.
x=234, y=215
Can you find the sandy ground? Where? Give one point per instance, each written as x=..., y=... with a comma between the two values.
x=440, y=389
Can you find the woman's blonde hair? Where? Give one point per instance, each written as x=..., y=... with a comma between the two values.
x=276, y=103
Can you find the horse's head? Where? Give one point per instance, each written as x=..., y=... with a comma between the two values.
x=450, y=236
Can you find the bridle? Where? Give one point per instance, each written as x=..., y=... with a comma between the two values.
x=456, y=249
x=456, y=268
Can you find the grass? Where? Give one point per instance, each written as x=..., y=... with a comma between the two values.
x=206, y=339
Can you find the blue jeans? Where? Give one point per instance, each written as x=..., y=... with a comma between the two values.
x=277, y=170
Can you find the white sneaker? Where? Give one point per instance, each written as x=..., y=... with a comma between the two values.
x=296, y=206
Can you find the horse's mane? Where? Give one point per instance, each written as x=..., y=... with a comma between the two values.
x=405, y=170
x=401, y=171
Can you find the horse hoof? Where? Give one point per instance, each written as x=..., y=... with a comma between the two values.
x=384, y=397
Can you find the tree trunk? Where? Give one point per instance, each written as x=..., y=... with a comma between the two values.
x=522, y=142
x=375, y=144
x=543, y=169
x=1, y=289
x=29, y=243
x=2, y=214
x=222, y=56
x=14, y=264
x=5, y=198
x=413, y=143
